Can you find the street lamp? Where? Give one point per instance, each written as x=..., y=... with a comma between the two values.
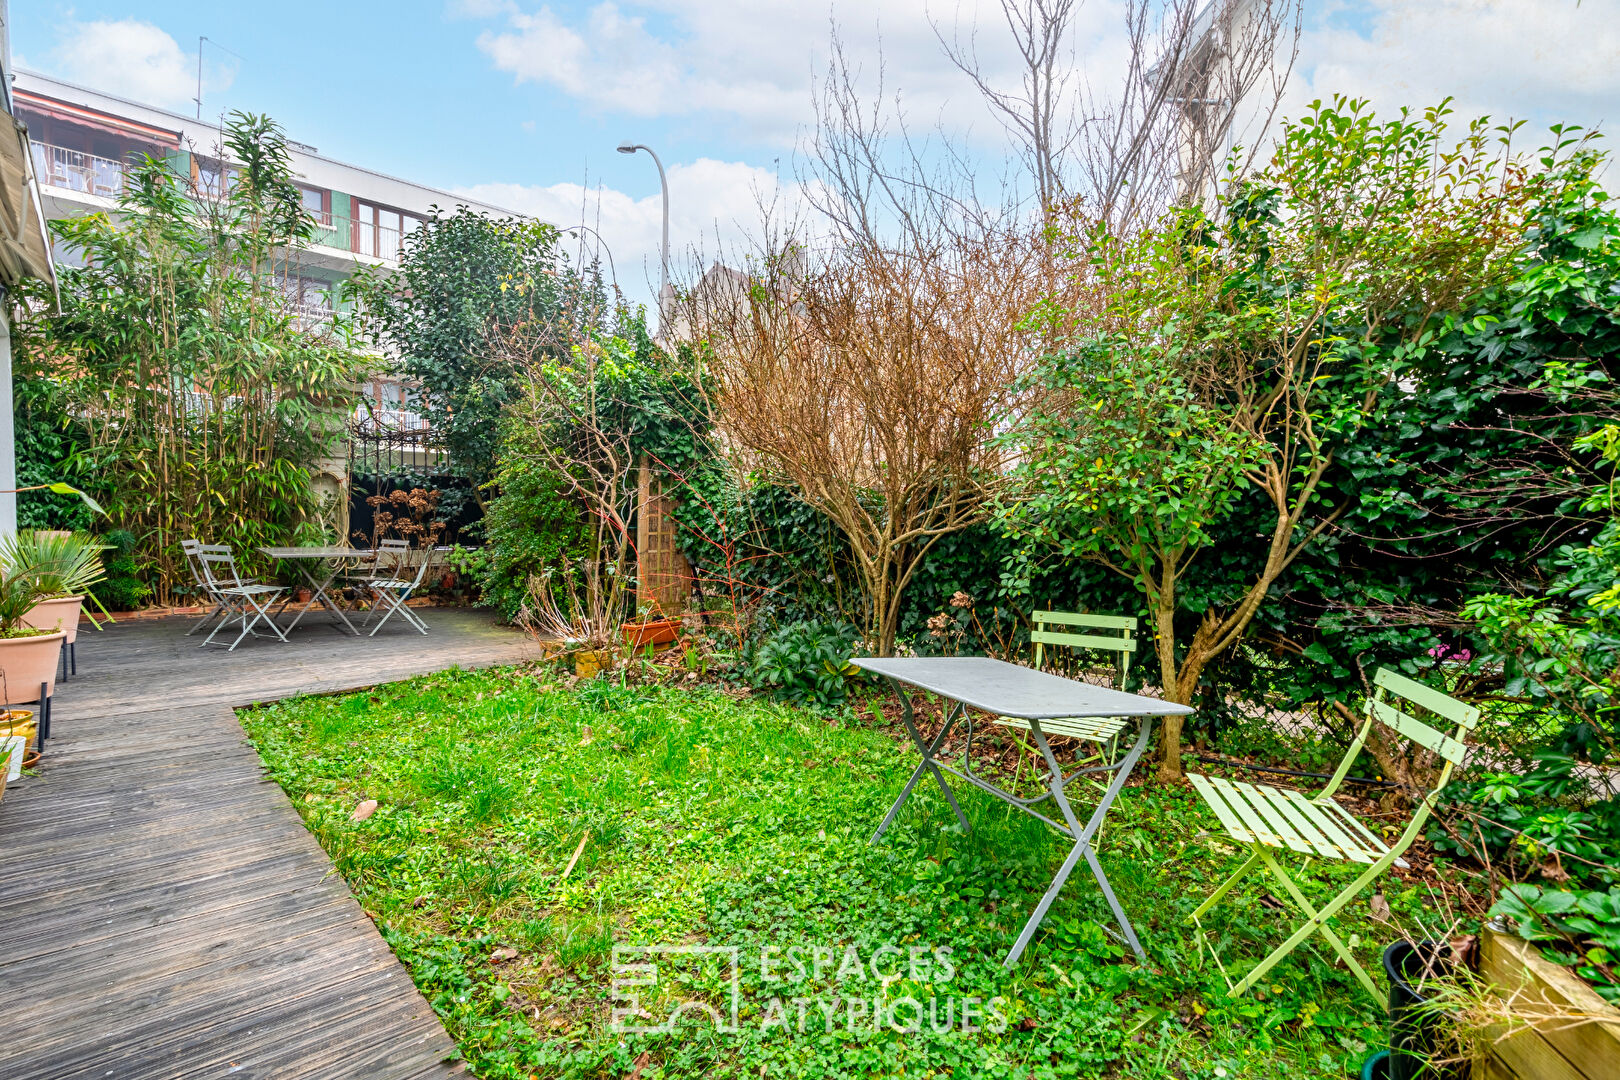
x=663, y=182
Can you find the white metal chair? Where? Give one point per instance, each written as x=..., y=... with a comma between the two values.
x=393, y=585
x=193, y=550
x=223, y=605
x=245, y=601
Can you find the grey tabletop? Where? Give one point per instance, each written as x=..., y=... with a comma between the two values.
x=1009, y=690
x=317, y=553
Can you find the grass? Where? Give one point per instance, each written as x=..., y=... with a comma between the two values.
x=523, y=831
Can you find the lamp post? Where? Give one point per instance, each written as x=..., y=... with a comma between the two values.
x=663, y=182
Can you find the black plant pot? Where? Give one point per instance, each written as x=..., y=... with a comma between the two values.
x=1415, y=1035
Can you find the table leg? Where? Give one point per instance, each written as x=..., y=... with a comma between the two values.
x=1082, y=845
x=927, y=762
x=321, y=596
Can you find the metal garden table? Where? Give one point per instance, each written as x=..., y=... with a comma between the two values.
x=320, y=566
x=1027, y=696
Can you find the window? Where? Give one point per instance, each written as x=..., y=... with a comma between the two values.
x=317, y=203
x=309, y=297
x=379, y=231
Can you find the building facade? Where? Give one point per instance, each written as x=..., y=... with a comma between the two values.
x=83, y=141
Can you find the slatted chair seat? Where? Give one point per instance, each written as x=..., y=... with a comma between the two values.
x=1282, y=817
x=1094, y=728
x=1115, y=634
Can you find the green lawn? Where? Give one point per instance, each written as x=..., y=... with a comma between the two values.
x=711, y=821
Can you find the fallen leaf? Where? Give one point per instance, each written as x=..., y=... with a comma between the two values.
x=1379, y=906
x=1270, y=901
x=505, y=952
x=364, y=810
x=640, y=1063
x=585, y=739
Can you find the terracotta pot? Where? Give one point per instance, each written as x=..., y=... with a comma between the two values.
x=57, y=613
x=26, y=662
x=653, y=632
x=448, y=581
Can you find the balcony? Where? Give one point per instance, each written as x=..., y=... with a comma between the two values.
x=377, y=241
x=57, y=166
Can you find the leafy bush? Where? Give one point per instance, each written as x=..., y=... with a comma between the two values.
x=1578, y=930
x=121, y=589
x=1540, y=819
x=806, y=663
x=529, y=528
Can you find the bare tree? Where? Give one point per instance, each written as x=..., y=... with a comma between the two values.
x=1200, y=75
x=1037, y=114
x=871, y=381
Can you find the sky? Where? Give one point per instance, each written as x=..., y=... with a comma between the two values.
x=521, y=103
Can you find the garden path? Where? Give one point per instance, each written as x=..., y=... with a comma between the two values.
x=163, y=911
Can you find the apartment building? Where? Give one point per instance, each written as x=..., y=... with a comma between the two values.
x=84, y=139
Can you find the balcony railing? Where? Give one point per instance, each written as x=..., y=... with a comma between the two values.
x=307, y=316
x=377, y=241
x=60, y=167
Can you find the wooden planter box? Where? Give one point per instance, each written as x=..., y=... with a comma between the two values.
x=1560, y=1051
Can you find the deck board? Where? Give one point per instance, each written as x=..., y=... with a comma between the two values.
x=163, y=910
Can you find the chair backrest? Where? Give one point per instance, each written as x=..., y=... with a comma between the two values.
x=1117, y=634
x=219, y=566
x=395, y=555
x=1390, y=690
x=1395, y=698
x=199, y=577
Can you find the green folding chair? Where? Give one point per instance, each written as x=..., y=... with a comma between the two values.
x=1261, y=817
x=1116, y=634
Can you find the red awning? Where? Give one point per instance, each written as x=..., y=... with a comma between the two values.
x=95, y=118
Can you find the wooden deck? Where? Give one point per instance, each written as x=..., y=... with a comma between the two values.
x=163, y=911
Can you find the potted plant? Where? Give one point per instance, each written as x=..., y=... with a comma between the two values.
x=17, y=729
x=28, y=654
x=584, y=631
x=653, y=628
x=62, y=567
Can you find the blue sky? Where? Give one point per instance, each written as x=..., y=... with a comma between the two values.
x=523, y=102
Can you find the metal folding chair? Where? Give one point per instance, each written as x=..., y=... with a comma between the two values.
x=249, y=603
x=391, y=587
x=192, y=550
x=1117, y=634
x=1261, y=817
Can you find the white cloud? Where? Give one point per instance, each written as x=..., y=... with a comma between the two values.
x=755, y=62
x=715, y=208
x=134, y=59
x=1526, y=59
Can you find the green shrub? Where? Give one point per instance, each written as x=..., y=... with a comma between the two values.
x=530, y=527
x=806, y=663
x=121, y=589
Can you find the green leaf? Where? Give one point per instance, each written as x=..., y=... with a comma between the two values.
x=68, y=489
